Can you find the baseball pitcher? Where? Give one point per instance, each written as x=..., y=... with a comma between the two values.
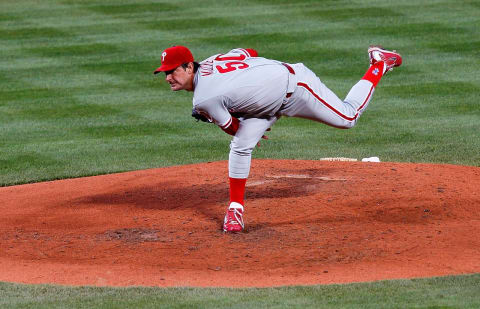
x=245, y=94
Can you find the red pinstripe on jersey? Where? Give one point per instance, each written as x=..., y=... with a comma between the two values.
x=331, y=107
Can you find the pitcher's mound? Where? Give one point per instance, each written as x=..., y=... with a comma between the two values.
x=307, y=222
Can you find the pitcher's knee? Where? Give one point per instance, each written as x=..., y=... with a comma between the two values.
x=241, y=148
x=349, y=124
x=342, y=124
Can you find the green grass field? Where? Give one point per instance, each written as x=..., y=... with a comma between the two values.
x=78, y=98
x=447, y=292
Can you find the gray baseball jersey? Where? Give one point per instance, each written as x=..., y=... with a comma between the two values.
x=236, y=83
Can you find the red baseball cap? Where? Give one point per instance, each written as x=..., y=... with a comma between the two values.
x=174, y=57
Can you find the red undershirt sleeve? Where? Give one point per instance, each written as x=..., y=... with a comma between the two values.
x=231, y=127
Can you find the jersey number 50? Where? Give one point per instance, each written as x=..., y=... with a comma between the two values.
x=231, y=65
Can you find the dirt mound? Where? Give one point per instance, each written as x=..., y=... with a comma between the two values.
x=307, y=222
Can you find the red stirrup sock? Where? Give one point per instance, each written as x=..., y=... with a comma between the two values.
x=237, y=190
x=374, y=73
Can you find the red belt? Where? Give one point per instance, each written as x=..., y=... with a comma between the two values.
x=292, y=71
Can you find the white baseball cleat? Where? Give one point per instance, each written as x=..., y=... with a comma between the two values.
x=390, y=58
x=233, y=221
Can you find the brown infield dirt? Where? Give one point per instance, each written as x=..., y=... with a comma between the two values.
x=307, y=222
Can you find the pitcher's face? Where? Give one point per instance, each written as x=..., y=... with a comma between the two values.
x=181, y=78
